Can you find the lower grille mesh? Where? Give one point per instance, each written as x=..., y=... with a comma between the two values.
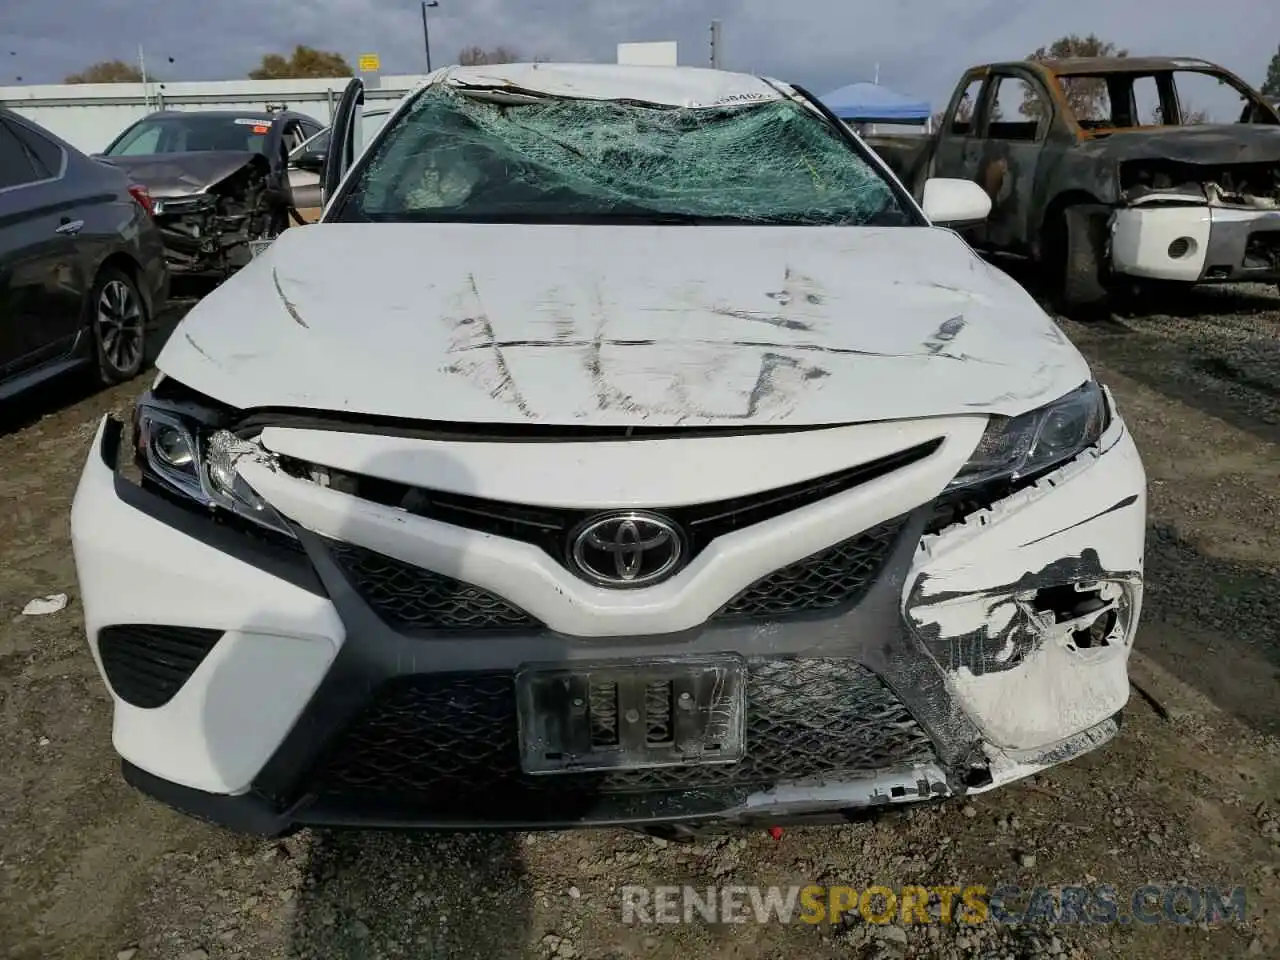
x=447, y=744
x=839, y=575
x=147, y=664
x=411, y=599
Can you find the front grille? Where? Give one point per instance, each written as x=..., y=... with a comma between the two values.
x=549, y=528
x=147, y=664
x=413, y=600
x=837, y=576
x=447, y=745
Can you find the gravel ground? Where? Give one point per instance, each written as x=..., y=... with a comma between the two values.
x=1189, y=792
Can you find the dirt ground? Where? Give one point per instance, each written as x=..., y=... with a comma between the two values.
x=1189, y=792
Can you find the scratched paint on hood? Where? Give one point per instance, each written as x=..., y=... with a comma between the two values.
x=624, y=325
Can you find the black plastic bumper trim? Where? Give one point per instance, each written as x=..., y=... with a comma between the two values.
x=245, y=813
x=251, y=813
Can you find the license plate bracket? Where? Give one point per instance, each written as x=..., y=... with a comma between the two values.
x=626, y=716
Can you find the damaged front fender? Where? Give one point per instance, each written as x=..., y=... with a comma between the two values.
x=1029, y=607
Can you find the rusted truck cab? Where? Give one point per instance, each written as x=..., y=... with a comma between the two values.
x=1105, y=170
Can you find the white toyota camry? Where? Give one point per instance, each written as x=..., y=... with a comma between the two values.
x=624, y=446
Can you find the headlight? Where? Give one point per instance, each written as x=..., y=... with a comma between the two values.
x=197, y=460
x=1017, y=447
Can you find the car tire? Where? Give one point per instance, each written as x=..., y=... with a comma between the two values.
x=118, y=325
x=1077, y=245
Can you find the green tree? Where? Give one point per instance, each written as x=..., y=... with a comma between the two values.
x=107, y=71
x=304, y=62
x=1271, y=85
x=1086, y=95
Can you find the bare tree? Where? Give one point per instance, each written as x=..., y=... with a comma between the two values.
x=303, y=62
x=1190, y=115
x=1086, y=95
x=107, y=71
x=474, y=56
x=964, y=112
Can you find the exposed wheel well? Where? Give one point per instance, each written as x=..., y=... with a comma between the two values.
x=1049, y=238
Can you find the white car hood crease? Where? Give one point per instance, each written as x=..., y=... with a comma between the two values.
x=626, y=325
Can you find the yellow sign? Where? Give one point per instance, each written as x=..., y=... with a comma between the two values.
x=369, y=63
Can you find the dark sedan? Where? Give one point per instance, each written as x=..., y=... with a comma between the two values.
x=82, y=269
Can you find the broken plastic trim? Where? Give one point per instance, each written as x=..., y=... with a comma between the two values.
x=196, y=459
x=925, y=782
x=1249, y=186
x=1012, y=623
x=1032, y=442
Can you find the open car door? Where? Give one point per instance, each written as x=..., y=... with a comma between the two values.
x=344, y=139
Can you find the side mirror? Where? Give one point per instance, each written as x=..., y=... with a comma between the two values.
x=310, y=160
x=949, y=202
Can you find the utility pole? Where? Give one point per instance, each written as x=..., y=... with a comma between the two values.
x=142, y=69
x=715, y=44
x=426, y=32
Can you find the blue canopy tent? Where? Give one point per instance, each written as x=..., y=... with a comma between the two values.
x=866, y=102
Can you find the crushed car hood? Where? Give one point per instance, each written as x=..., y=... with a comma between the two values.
x=623, y=325
x=182, y=174
x=1201, y=143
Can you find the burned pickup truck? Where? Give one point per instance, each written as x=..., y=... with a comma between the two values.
x=219, y=179
x=1112, y=172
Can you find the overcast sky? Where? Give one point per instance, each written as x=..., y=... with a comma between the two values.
x=921, y=45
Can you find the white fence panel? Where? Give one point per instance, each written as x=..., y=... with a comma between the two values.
x=89, y=116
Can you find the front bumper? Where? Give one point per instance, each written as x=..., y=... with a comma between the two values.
x=1196, y=244
x=305, y=705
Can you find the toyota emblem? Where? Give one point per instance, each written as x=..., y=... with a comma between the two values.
x=626, y=549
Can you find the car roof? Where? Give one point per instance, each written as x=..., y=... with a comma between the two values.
x=1069, y=66
x=269, y=115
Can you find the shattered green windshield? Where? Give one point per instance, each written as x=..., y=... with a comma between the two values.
x=458, y=157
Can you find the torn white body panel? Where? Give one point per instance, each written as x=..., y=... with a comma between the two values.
x=666, y=86
x=1056, y=689
x=612, y=325
x=1030, y=607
